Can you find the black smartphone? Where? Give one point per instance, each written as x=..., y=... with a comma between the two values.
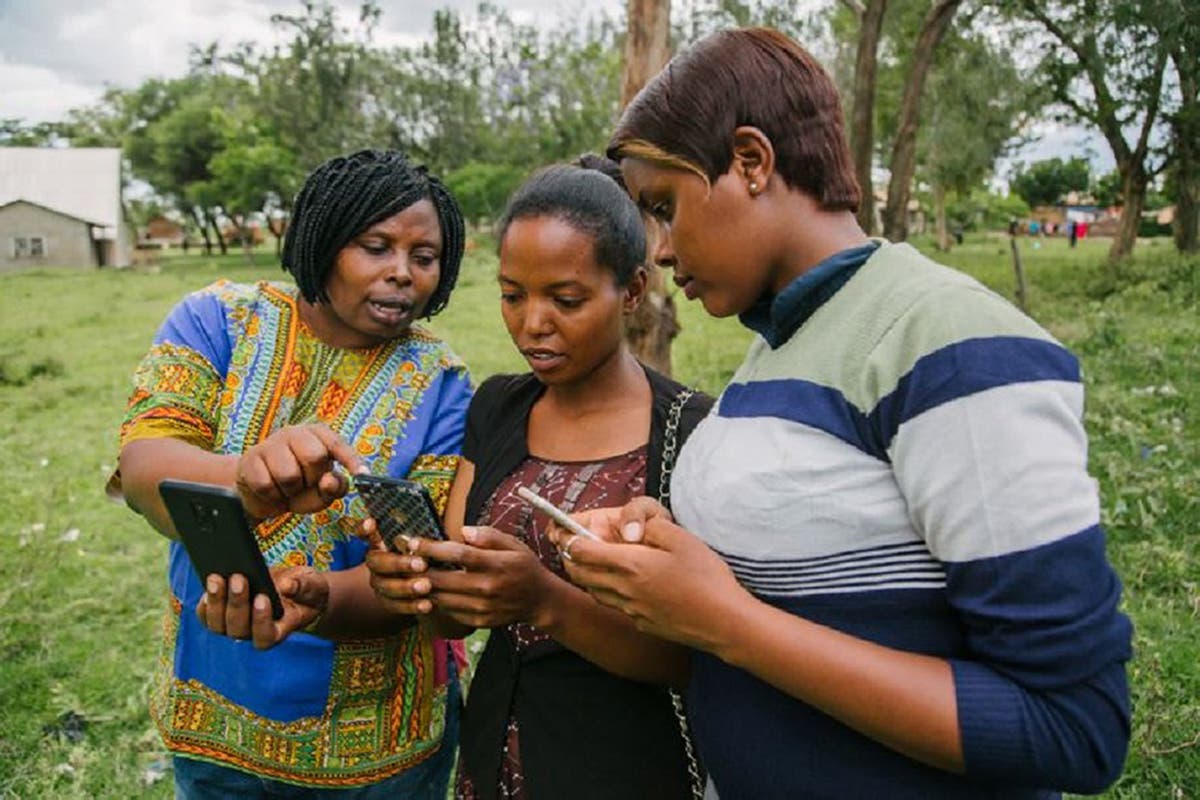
x=212, y=525
x=402, y=509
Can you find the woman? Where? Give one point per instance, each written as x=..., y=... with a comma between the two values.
x=885, y=548
x=563, y=702
x=267, y=388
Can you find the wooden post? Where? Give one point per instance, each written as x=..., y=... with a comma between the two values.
x=1020, y=273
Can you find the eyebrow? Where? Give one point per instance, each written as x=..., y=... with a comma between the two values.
x=568, y=284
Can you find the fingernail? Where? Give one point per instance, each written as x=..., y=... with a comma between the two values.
x=469, y=534
x=260, y=603
x=424, y=607
x=237, y=584
x=212, y=585
x=421, y=587
x=417, y=565
x=632, y=532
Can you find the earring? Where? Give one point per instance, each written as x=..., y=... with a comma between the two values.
x=753, y=187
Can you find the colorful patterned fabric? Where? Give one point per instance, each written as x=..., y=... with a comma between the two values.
x=232, y=364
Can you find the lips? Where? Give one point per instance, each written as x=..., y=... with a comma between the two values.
x=542, y=359
x=391, y=310
x=685, y=282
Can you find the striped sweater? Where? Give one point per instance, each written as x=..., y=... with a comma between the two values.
x=909, y=467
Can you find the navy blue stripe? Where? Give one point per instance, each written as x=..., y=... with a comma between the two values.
x=820, y=407
x=918, y=581
x=965, y=368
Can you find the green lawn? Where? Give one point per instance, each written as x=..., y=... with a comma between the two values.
x=82, y=580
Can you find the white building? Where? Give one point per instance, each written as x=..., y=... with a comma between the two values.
x=61, y=206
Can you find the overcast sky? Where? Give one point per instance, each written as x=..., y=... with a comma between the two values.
x=61, y=54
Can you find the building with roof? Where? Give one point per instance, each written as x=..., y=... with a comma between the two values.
x=61, y=206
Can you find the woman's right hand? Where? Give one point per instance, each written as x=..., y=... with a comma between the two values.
x=292, y=470
x=398, y=579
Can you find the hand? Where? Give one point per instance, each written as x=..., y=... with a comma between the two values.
x=398, y=579
x=501, y=581
x=293, y=470
x=228, y=610
x=614, y=523
x=667, y=581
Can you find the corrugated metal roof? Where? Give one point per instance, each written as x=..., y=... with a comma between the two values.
x=84, y=182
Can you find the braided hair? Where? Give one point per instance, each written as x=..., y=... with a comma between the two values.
x=348, y=194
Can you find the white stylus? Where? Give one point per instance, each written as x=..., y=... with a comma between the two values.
x=555, y=513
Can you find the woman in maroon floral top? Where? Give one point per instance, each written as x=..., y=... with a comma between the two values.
x=568, y=699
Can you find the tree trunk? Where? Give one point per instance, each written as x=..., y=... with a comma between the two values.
x=202, y=224
x=1133, y=190
x=1019, y=274
x=862, y=118
x=904, y=151
x=1187, y=159
x=939, y=216
x=278, y=228
x=647, y=49
x=647, y=44
x=212, y=222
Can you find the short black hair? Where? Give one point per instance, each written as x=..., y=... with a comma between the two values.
x=591, y=202
x=348, y=194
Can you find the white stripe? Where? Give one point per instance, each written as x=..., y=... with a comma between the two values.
x=777, y=491
x=998, y=472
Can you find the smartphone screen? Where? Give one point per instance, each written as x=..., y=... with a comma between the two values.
x=402, y=509
x=213, y=528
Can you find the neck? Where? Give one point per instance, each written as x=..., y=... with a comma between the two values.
x=614, y=380
x=816, y=235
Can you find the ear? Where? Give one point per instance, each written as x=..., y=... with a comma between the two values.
x=634, y=291
x=753, y=159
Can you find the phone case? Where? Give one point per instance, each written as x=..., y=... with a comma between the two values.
x=401, y=509
x=212, y=525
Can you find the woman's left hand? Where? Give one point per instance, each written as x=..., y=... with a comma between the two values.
x=501, y=581
x=667, y=581
x=227, y=608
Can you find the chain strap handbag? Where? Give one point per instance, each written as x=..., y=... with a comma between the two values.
x=669, y=452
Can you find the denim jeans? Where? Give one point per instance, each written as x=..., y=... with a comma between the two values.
x=201, y=780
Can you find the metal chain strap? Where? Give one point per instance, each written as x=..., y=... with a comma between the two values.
x=670, y=449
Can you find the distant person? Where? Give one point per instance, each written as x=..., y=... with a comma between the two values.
x=1034, y=228
x=262, y=388
x=568, y=700
x=1072, y=232
x=883, y=545
x=1014, y=227
x=958, y=234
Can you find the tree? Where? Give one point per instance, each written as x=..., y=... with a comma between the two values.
x=903, y=162
x=862, y=116
x=655, y=323
x=1103, y=62
x=981, y=105
x=1047, y=182
x=1180, y=26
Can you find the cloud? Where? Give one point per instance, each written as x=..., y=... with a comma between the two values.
x=60, y=54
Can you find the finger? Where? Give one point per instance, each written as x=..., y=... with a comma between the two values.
x=490, y=538
x=600, y=521
x=337, y=446
x=387, y=564
x=237, y=608
x=450, y=552
x=264, y=630
x=369, y=532
x=214, y=604
x=636, y=514
x=285, y=470
x=663, y=534
x=332, y=485
x=313, y=458
x=255, y=479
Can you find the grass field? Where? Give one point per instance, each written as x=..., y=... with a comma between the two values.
x=82, y=580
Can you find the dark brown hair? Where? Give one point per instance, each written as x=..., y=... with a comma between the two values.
x=685, y=117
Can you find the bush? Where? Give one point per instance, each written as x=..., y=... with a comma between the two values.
x=483, y=189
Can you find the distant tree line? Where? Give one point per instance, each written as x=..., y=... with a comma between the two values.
x=933, y=92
